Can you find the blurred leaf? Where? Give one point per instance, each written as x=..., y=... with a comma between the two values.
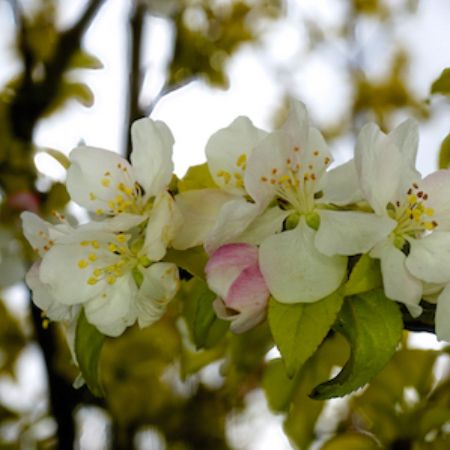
x=364, y=277
x=351, y=441
x=58, y=156
x=206, y=328
x=85, y=60
x=301, y=421
x=56, y=198
x=299, y=329
x=373, y=326
x=88, y=345
x=444, y=153
x=70, y=90
x=197, y=177
x=442, y=84
x=192, y=260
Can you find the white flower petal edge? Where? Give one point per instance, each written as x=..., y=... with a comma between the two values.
x=227, y=152
x=295, y=271
x=350, y=232
x=399, y=284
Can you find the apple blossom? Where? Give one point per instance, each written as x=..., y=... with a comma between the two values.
x=233, y=274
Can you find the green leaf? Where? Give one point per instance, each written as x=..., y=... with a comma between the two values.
x=351, y=441
x=299, y=329
x=373, y=326
x=365, y=276
x=197, y=177
x=442, y=84
x=192, y=260
x=88, y=345
x=85, y=60
x=444, y=153
x=58, y=156
x=206, y=328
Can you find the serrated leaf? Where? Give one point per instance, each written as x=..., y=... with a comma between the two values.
x=192, y=260
x=197, y=177
x=88, y=345
x=442, y=84
x=299, y=329
x=365, y=276
x=444, y=153
x=373, y=326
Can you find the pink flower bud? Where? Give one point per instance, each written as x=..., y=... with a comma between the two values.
x=24, y=201
x=233, y=274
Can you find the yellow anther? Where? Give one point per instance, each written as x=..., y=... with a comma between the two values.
x=412, y=199
x=84, y=243
x=82, y=264
x=99, y=212
x=284, y=179
x=111, y=279
x=45, y=324
x=429, y=212
x=241, y=160
x=92, y=196
x=225, y=175
x=97, y=272
x=112, y=247
x=92, y=257
x=95, y=244
x=105, y=182
x=429, y=225
x=92, y=281
x=121, y=238
x=111, y=204
x=107, y=173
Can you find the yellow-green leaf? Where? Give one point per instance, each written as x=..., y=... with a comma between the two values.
x=373, y=326
x=351, y=441
x=299, y=329
x=444, y=153
x=192, y=260
x=365, y=276
x=442, y=84
x=197, y=177
x=88, y=345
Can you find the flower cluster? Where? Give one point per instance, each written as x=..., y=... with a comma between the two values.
x=111, y=265
x=278, y=222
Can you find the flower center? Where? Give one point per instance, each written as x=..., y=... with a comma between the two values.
x=118, y=256
x=128, y=198
x=235, y=178
x=296, y=183
x=412, y=215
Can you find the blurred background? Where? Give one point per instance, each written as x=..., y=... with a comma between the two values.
x=81, y=71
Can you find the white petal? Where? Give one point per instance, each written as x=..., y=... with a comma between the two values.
x=295, y=271
x=442, y=317
x=233, y=219
x=406, y=139
x=112, y=311
x=437, y=186
x=429, y=257
x=121, y=222
x=350, y=232
x=200, y=209
x=399, y=284
x=341, y=185
x=380, y=168
x=152, y=155
x=266, y=165
x=160, y=285
x=164, y=220
x=226, y=264
x=266, y=224
x=43, y=298
x=224, y=151
x=297, y=123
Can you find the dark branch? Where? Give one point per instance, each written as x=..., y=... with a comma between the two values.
x=134, y=111
x=33, y=98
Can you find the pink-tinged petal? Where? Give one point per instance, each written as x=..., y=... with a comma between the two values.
x=399, y=283
x=199, y=209
x=24, y=201
x=152, y=155
x=240, y=321
x=228, y=150
x=437, y=187
x=429, y=257
x=351, y=232
x=248, y=290
x=295, y=271
x=94, y=178
x=442, y=318
x=226, y=264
